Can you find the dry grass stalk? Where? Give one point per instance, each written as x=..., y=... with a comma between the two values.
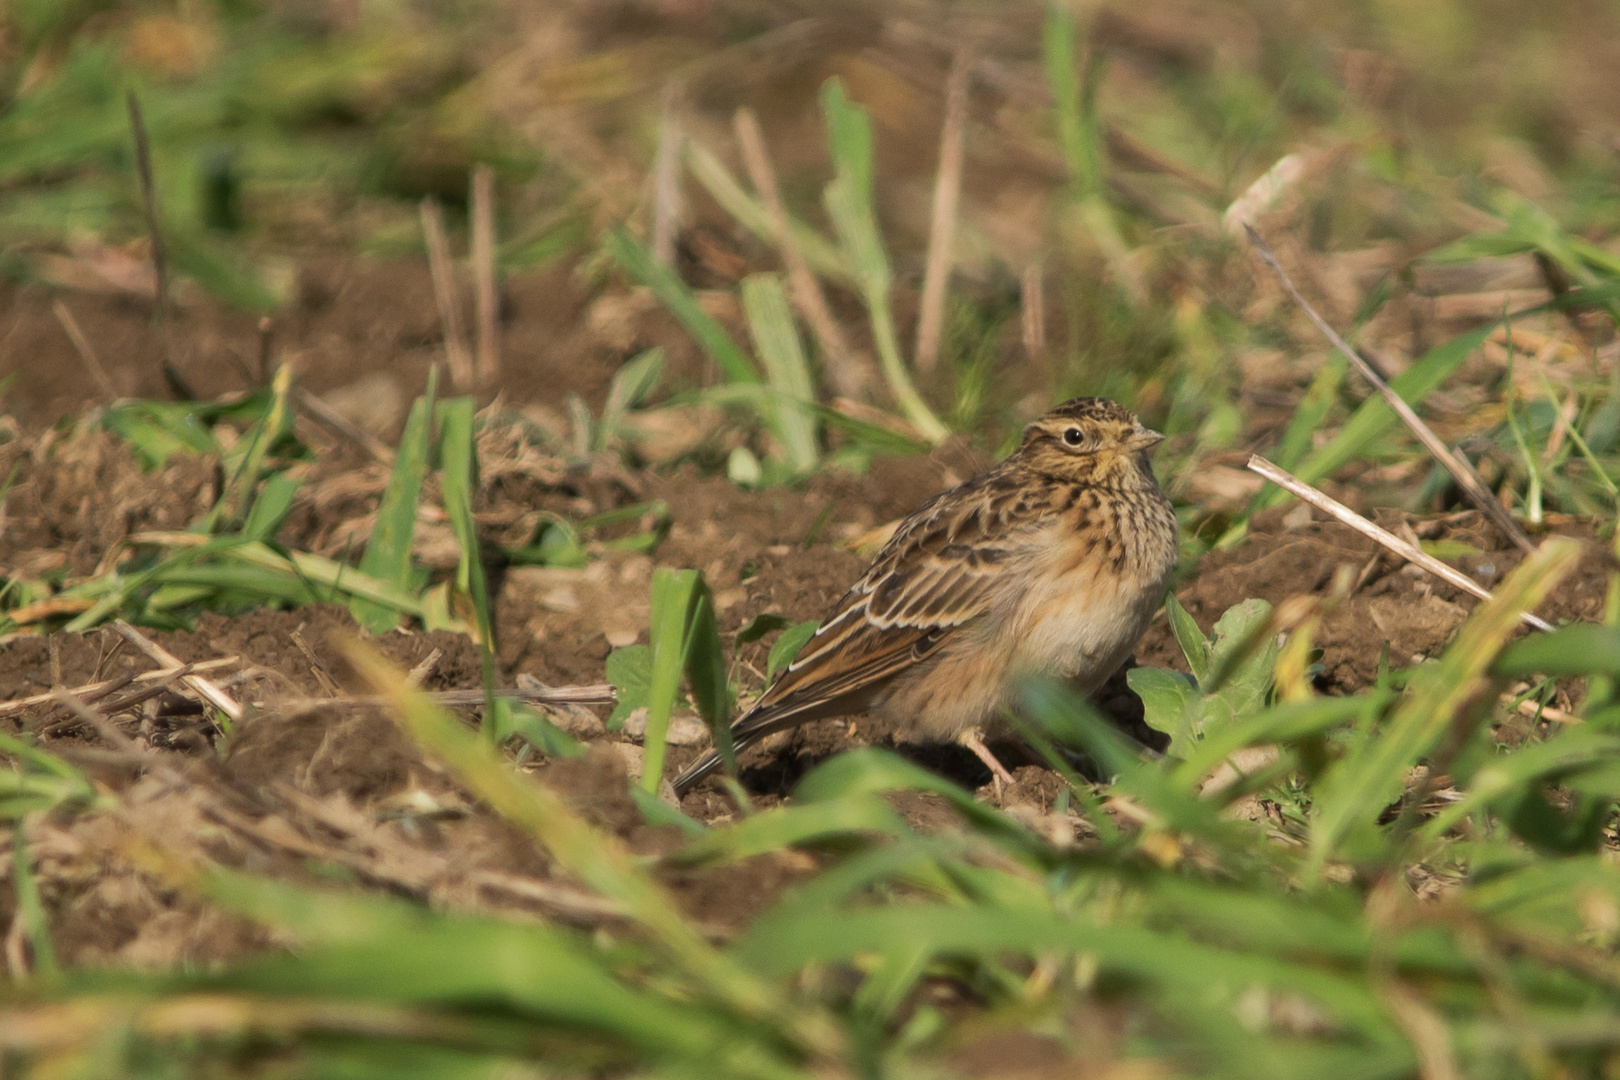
x=1537, y=711
x=1410, y=552
x=1032, y=290
x=847, y=377
x=942, y=230
x=591, y=694
x=92, y=692
x=378, y=854
x=1267, y=189
x=318, y=410
x=70, y=325
x=1465, y=476
x=199, y=685
x=485, y=285
x=266, y=349
x=102, y=725
x=446, y=295
x=113, y=706
x=322, y=675
x=160, y=260
x=666, y=180
x=418, y=674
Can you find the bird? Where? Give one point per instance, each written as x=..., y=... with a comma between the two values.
x=1052, y=562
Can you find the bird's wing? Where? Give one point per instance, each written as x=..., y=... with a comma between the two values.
x=943, y=568
x=940, y=572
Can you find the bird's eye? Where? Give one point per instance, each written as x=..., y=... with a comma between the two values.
x=1074, y=436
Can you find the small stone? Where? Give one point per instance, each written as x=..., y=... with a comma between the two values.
x=683, y=730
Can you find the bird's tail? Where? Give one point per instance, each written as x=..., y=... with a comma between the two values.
x=747, y=731
x=765, y=718
x=697, y=771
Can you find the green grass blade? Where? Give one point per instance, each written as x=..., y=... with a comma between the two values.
x=270, y=507
x=379, y=950
x=1167, y=959
x=785, y=826
x=787, y=371
x=635, y=379
x=674, y=294
x=673, y=594
x=271, y=427
x=598, y=860
x=1369, y=422
x=1354, y=792
x=1577, y=650
x=822, y=254
x=1078, y=135
x=705, y=660
x=388, y=551
x=786, y=647
x=458, y=464
x=30, y=909
x=848, y=199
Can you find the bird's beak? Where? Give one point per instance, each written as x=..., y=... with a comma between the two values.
x=1144, y=438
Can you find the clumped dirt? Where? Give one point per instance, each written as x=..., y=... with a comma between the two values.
x=1393, y=606
x=362, y=333
x=300, y=783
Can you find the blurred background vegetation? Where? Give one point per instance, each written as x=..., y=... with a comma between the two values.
x=278, y=128
x=1415, y=877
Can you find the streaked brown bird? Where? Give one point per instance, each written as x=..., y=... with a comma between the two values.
x=1052, y=562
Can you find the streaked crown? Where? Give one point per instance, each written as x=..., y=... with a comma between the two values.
x=1090, y=439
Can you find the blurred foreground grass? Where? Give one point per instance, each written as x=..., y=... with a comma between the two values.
x=1384, y=920
x=1417, y=895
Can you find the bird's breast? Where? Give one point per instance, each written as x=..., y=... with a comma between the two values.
x=1090, y=598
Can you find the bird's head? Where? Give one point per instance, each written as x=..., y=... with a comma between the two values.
x=1090, y=440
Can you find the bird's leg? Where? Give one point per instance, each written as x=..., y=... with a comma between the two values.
x=971, y=740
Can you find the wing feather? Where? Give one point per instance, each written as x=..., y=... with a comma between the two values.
x=942, y=569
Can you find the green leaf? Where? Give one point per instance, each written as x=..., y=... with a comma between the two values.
x=1369, y=422
x=629, y=670
x=1579, y=649
x=1235, y=676
x=1242, y=658
x=788, y=645
x=684, y=640
x=270, y=507
x=760, y=625
x=635, y=379
x=559, y=545
x=1167, y=701
x=158, y=430
x=787, y=371
x=388, y=552
x=516, y=718
x=674, y=294
x=1194, y=646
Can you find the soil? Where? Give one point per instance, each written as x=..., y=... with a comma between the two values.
x=363, y=333
x=1395, y=607
x=306, y=790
